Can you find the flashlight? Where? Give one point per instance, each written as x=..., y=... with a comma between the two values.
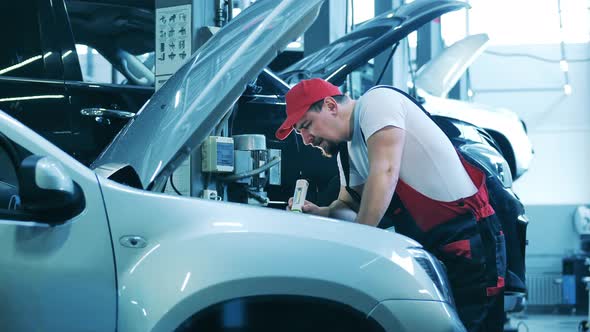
x=299, y=195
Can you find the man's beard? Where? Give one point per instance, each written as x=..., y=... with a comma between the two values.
x=328, y=148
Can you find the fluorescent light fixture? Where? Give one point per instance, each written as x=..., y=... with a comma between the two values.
x=567, y=89
x=469, y=93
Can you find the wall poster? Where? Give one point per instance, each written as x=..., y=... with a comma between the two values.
x=173, y=40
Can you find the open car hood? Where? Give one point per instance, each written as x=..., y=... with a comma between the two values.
x=368, y=40
x=195, y=99
x=439, y=75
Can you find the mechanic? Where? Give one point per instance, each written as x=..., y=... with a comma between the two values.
x=401, y=165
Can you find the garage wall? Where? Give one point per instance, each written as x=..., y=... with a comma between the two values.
x=559, y=127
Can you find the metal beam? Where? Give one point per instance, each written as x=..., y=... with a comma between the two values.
x=381, y=6
x=328, y=27
x=430, y=42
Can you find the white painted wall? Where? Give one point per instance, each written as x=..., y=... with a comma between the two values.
x=559, y=125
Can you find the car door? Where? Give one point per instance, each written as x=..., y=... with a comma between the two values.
x=99, y=110
x=53, y=277
x=31, y=88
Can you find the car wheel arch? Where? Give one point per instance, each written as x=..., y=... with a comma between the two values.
x=260, y=296
x=290, y=312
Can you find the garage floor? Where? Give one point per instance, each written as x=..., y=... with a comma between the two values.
x=547, y=323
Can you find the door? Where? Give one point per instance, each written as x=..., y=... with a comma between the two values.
x=53, y=278
x=31, y=88
x=92, y=130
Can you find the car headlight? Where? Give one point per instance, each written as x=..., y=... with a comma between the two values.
x=487, y=158
x=504, y=173
x=436, y=271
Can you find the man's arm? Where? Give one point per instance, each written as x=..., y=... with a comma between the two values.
x=385, y=151
x=344, y=207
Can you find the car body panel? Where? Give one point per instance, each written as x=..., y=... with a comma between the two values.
x=197, y=253
x=439, y=76
x=59, y=278
x=195, y=99
x=197, y=249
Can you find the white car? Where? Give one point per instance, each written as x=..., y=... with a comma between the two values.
x=436, y=78
x=80, y=252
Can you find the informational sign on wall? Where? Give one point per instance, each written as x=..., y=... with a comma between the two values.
x=173, y=40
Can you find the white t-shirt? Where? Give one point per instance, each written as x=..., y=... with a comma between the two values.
x=429, y=162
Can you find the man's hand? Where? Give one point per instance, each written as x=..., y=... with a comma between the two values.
x=308, y=207
x=339, y=209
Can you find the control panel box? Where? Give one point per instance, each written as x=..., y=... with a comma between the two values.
x=217, y=154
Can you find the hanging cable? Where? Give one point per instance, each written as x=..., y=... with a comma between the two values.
x=172, y=184
x=253, y=172
x=532, y=56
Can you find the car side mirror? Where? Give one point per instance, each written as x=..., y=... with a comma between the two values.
x=47, y=192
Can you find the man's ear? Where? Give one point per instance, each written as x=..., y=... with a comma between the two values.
x=331, y=104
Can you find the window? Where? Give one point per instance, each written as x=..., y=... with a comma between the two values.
x=95, y=68
x=137, y=69
x=20, y=54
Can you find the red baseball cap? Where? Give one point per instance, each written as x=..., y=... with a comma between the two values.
x=299, y=100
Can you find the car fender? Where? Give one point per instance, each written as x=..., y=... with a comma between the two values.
x=197, y=253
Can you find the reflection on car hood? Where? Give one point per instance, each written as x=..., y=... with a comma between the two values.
x=440, y=74
x=369, y=39
x=194, y=100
